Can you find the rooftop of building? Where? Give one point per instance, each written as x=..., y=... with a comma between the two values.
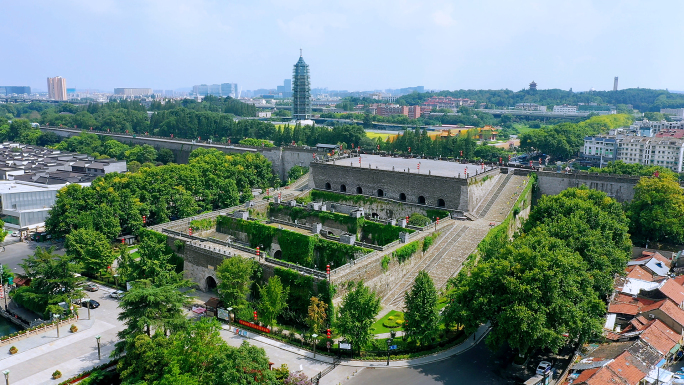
x=427, y=166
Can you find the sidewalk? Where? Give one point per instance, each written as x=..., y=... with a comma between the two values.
x=458, y=349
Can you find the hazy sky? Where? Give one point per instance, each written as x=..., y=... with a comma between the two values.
x=352, y=44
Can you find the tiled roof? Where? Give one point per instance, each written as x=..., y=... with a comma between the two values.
x=659, y=336
x=585, y=375
x=673, y=291
x=627, y=368
x=639, y=273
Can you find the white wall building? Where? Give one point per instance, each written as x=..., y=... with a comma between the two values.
x=647, y=151
x=25, y=205
x=565, y=109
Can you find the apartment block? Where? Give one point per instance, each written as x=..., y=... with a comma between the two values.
x=57, y=89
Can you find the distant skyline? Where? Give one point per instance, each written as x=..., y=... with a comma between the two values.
x=352, y=45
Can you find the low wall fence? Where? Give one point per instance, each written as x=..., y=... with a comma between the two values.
x=202, y=247
x=32, y=332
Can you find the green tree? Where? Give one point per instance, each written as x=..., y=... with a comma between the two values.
x=422, y=317
x=91, y=249
x=537, y=287
x=195, y=355
x=165, y=156
x=235, y=276
x=154, y=263
x=273, y=300
x=317, y=315
x=357, y=313
x=657, y=211
x=147, y=307
x=54, y=279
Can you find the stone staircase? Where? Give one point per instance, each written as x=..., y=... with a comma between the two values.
x=483, y=210
x=445, y=242
x=450, y=264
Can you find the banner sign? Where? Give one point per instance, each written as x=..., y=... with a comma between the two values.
x=345, y=346
x=223, y=314
x=254, y=326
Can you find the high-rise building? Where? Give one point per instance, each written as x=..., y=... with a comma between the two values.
x=229, y=89
x=18, y=90
x=57, y=88
x=615, y=84
x=133, y=91
x=286, y=89
x=301, y=90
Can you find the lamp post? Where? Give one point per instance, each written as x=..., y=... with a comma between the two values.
x=88, y=307
x=56, y=316
x=389, y=343
x=4, y=294
x=6, y=373
x=97, y=337
x=314, y=336
x=230, y=310
x=116, y=281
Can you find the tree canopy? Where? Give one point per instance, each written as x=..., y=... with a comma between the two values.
x=657, y=211
x=357, y=313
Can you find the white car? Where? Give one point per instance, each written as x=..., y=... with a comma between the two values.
x=117, y=294
x=15, y=233
x=543, y=367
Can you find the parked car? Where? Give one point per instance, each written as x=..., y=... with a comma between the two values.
x=15, y=233
x=117, y=294
x=543, y=367
x=91, y=303
x=90, y=287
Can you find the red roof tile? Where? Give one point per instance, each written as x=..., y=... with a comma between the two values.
x=602, y=377
x=661, y=337
x=673, y=291
x=639, y=272
x=668, y=307
x=624, y=367
x=585, y=375
x=679, y=279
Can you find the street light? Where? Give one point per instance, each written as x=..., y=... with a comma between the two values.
x=314, y=336
x=389, y=343
x=116, y=281
x=56, y=316
x=6, y=373
x=97, y=337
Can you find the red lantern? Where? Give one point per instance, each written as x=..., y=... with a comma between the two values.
x=437, y=220
x=327, y=269
x=257, y=251
x=328, y=332
x=190, y=231
x=122, y=240
x=378, y=147
x=255, y=315
x=409, y=149
x=144, y=219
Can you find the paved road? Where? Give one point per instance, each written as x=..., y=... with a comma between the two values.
x=15, y=252
x=477, y=367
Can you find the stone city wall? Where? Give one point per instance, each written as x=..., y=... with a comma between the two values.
x=619, y=187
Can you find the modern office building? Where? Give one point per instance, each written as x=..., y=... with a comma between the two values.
x=301, y=90
x=133, y=91
x=677, y=113
x=230, y=90
x=565, y=109
x=15, y=90
x=224, y=90
x=615, y=84
x=57, y=89
x=530, y=107
x=286, y=89
x=31, y=176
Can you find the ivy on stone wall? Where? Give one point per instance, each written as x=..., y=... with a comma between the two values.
x=328, y=196
x=434, y=214
x=305, y=250
x=405, y=252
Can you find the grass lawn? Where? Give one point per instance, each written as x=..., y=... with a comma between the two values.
x=378, y=328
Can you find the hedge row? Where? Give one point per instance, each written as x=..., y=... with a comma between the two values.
x=309, y=251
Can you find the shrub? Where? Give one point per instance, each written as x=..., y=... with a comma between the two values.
x=57, y=374
x=13, y=350
x=418, y=220
x=385, y=262
x=73, y=328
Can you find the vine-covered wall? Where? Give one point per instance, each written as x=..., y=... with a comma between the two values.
x=367, y=231
x=309, y=251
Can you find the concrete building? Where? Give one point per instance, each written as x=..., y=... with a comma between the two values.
x=565, y=109
x=57, y=88
x=286, y=89
x=600, y=150
x=667, y=152
x=530, y=107
x=615, y=83
x=301, y=90
x=133, y=91
x=230, y=90
x=15, y=90
x=677, y=113
x=30, y=177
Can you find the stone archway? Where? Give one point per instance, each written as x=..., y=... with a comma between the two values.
x=402, y=197
x=441, y=203
x=278, y=254
x=328, y=186
x=343, y=188
x=381, y=193
x=210, y=283
x=421, y=200
x=359, y=190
